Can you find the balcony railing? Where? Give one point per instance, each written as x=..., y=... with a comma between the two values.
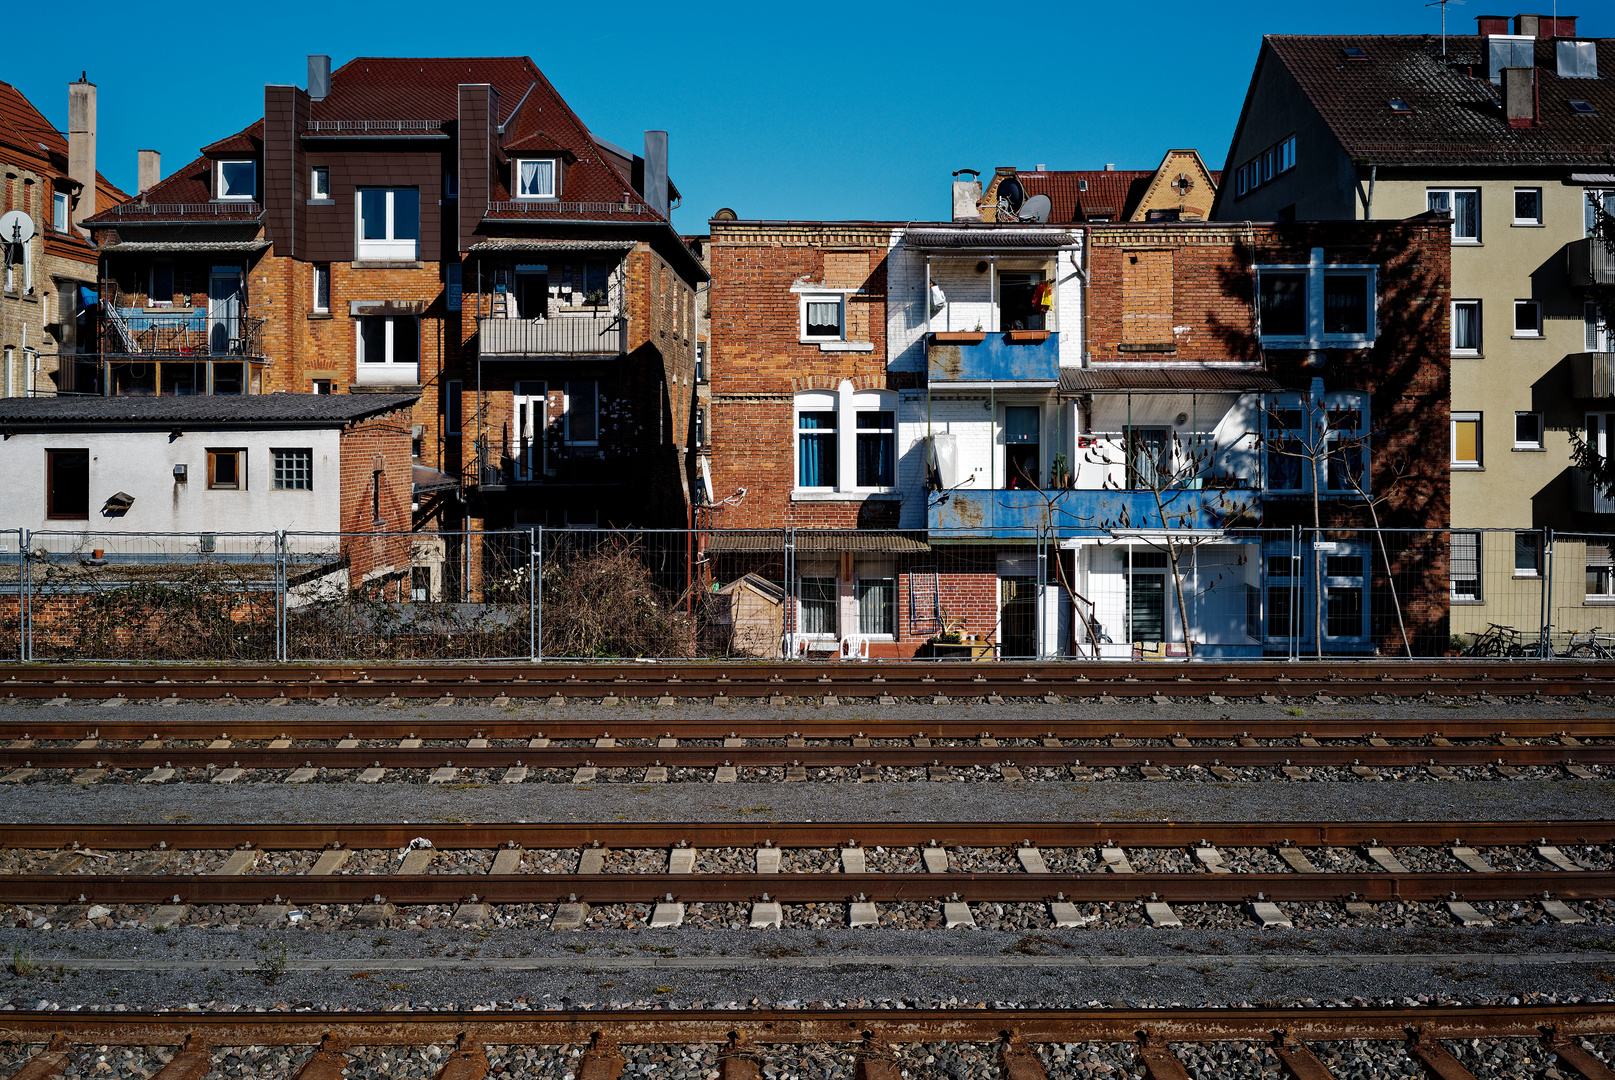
x=1592, y=375
x=563, y=335
x=374, y=127
x=1586, y=496
x=1023, y=356
x=1589, y=262
x=554, y=206
x=179, y=332
x=1022, y=514
x=164, y=211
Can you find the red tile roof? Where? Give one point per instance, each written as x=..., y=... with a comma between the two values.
x=421, y=88
x=1082, y=195
x=186, y=194
x=1456, y=115
x=29, y=141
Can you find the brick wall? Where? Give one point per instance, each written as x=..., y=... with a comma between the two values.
x=375, y=458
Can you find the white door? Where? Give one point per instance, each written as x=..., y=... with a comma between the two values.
x=529, y=407
x=224, y=309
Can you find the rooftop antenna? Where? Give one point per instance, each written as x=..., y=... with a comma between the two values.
x=1442, y=4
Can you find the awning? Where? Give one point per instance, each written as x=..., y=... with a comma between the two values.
x=133, y=247
x=1157, y=379
x=518, y=245
x=989, y=237
x=817, y=541
x=428, y=480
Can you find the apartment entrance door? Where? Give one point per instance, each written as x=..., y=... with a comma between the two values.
x=224, y=309
x=530, y=420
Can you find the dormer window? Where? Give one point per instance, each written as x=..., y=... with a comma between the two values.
x=535, y=178
x=237, y=180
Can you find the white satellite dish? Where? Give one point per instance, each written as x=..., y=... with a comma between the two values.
x=16, y=227
x=1037, y=209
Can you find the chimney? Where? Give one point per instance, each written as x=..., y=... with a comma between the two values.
x=1110, y=166
x=1487, y=25
x=1526, y=25
x=1519, y=96
x=151, y=170
x=967, y=195
x=319, y=78
x=81, y=144
x=656, y=171
x=1040, y=167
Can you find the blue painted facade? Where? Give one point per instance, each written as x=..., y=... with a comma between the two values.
x=996, y=359
x=962, y=514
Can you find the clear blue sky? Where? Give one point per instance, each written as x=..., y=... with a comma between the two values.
x=838, y=110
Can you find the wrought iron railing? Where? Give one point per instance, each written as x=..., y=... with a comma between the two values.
x=161, y=211
x=132, y=330
x=563, y=335
x=372, y=127
x=551, y=206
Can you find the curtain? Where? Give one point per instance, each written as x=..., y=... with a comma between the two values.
x=877, y=604
x=876, y=449
x=824, y=318
x=819, y=606
x=537, y=178
x=816, y=449
x=1466, y=326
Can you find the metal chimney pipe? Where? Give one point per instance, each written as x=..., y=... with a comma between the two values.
x=656, y=171
x=319, y=77
x=81, y=144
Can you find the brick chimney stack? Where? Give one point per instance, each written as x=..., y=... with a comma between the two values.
x=81, y=144
x=1520, y=96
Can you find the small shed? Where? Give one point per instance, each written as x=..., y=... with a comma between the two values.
x=750, y=613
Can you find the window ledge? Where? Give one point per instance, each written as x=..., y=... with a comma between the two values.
x=1599, y=601
x=321, y=202
x=1528, y=225
x=1530, y=450
x=1467, y=603
x=319, y=314
x=1467, y=468
x=1525, y=577
x=846, y=496
x=1457, y=355
x=1529, y=337
x=839, y=346
x=387, y=264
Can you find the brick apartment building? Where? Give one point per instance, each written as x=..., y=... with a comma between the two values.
x=47, y=300
x=445, y=228
x=983, y=434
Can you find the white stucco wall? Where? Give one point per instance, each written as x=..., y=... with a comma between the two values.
x=142, y=463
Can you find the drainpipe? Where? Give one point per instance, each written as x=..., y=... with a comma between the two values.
x=1373, y=174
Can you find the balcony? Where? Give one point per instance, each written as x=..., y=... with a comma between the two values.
x=1592, y=375
x=1586, y=498
x=1589, y=262
x=602, y=334
x=1026, y=357
x=962, y=514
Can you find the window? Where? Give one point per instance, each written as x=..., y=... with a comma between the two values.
x=1599, y=338
x=237, y=180
x=816, y=449
x=1527, y=554
x=226, y=469
x=535, y=178
x=1023, y=302
x=1271, y=162
x=818, y=600
x=1149, y=458
x=877, y=448
x=67, y=484
x=700, y=425
x=451, y=407
x=453, y=296
x=1316, y=305
x=389, y=223
x=1465, y=567
x=1600, y=571
x=1284, y=449
x=823, y=318
x=1466, y=327
x=1594, y=205
x=1146, y=594
x=1527, y=206
x=58, y=211
x=1527, y=431
x=1287, y=154
x=322, y=288
x=1463, y=206
x=1400, y=105
x=319, y=183
x=877, y=606
x=1343, y=587
x=389, y=347
x=319, y=386
x=700, y=361
x=451, y=184
x=1023, y=455
x=294, y=469
x=1466, y=441
x=582, y=412
x=1527, y=318
x=161, y=293
x=1581, y=106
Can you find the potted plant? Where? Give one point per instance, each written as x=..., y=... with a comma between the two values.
x=1026, y=337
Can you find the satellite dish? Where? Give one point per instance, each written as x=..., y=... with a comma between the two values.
x=16, y=227
x=1037, y=208
x=1011, y=194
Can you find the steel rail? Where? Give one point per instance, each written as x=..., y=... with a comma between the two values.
x=560, y=726
x=51, y=836
x=1553, y=1023
x=249, y=889
x=706, y=757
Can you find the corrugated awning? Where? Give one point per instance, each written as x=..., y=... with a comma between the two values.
x=1166, y=380
x=132, y=247
x=1011, y=236
x=818, y=541
x=427, y=480
x=487, y=246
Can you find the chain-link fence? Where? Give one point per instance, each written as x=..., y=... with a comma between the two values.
x=805, y=594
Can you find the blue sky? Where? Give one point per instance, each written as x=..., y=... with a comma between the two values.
x=839, y=110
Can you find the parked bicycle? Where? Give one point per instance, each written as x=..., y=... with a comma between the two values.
x=1503, y=641
x=1588, y=645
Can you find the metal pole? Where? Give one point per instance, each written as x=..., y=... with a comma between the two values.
x=1547, y=592
x=532, y=596
x=282, y=638
x=25, y=598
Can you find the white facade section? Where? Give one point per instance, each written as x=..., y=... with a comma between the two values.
x=1219, y=581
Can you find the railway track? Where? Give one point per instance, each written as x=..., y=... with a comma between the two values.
x=877, y=1044
x=615, y=682
x=1052, y=864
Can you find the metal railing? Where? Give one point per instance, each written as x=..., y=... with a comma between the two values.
x=562, y=335
x=372, y=127
x=180, y=332
x=555, y=206
x=185, y=210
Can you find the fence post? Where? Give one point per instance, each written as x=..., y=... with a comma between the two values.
x=535, y=595
x=1547, y=593
x=792, y=608
x=281, y=635
x=25, y=598
x=1297, y=566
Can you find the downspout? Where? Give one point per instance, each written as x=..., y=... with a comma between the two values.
x=1373, y=174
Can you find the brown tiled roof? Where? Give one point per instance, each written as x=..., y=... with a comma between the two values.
x=421, y=88
x=1456, y=115
x=186, y=194
x=1082, y=195
x=29, y=141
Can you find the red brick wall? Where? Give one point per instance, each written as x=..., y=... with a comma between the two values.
x=378, y=441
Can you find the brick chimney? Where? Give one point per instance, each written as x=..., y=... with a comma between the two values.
x=81, y=144
x=151, y=170
x=1519, y=96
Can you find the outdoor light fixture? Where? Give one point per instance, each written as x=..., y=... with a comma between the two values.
x=181, y=473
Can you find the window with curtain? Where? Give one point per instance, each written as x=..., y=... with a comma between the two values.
x=821, y=317
x=816, y=449
x=1148, y=461
x=877, y=605
x=818, y=597
x=535, y=178
x=1463, y=205
x=877, y=448
x=1466, y=326
x=1466, y=566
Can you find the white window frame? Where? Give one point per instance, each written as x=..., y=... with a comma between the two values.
x=1478, y=594
x=1362, y=582
x=218, y=179
x=819, y=572
x=315, y=305
x=1590, y=196
x=1534, y=444
x=1530, y=571
x=866, y=401
x=1536, y=307
x=814, y=401
x=1518, y=220
x=61, y=209
x=1317, y=272
x=875, y=571
x=839, y=299
x=1452, y=193
x=1480, y=435
x=386, y=370
x=319, y=183
x=390, y=248
x=555, y=178
x=1480, y=338
x=1599, y=335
